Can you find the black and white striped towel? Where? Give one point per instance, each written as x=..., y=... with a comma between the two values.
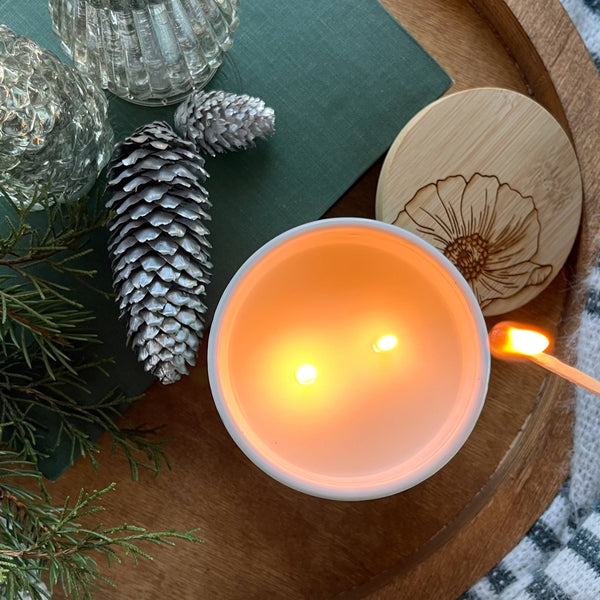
x=559, y=558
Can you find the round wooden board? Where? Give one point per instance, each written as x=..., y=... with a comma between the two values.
x=490, y=178
x=262, y=540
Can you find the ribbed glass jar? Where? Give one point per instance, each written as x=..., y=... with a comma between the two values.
x=149, y=52
x=54, y=128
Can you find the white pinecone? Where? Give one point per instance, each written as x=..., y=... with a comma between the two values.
x=218, y=121
x=158, y=247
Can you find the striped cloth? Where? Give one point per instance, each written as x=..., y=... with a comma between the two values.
x=559, y=558
x=586, y=16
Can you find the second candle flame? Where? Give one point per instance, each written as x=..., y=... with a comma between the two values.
x=385, y=343
x=306, y=374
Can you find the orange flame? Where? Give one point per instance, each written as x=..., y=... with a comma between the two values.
x=508, y=339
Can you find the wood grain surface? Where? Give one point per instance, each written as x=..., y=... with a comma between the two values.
x=264, y=541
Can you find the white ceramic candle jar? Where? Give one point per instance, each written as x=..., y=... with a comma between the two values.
x=348, y=359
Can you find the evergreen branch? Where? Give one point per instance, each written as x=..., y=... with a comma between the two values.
x=67, y=224
x=23, y=400
x=38, y=539
x=136, y=441
x=49, y=324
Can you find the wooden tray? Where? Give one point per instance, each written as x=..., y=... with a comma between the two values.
x=264, y=541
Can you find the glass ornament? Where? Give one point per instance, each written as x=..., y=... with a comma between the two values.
x=54, y=128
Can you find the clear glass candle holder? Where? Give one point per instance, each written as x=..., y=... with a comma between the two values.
x=150, y=52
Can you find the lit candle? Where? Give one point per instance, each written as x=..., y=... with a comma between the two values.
x=510, y=340
x=348, y=359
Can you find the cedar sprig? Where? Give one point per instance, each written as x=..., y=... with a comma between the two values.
x=40, y=542
x=26, y=398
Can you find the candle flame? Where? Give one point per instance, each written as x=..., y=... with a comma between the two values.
x=513, y=339
x=306, y=374
x=385, y=343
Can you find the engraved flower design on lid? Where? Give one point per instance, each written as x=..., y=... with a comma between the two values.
x=486, y=228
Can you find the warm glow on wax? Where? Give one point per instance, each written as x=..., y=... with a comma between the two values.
x=385, y=343
x=306, y=374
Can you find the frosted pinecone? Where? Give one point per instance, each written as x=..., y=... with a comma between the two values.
x=217, y=121
x=54, y=128
x=158, y=247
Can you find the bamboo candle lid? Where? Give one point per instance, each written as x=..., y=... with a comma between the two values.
x=490, y=178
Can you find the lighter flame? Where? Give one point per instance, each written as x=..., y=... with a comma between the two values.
x=525, y=341
x=385, y=343
x=306, y=374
